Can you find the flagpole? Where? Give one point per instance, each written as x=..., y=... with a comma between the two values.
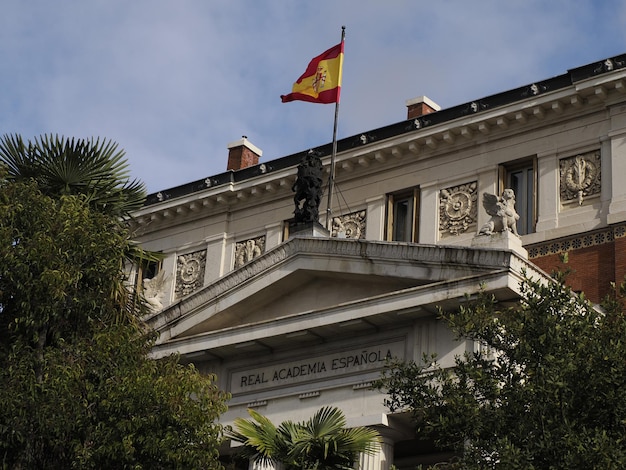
x=331, y=178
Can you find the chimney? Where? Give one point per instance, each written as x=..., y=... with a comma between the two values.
x=420, y=106
x=242, y=154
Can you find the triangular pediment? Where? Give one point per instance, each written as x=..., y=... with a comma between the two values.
x=301, y=291
x=305, y=278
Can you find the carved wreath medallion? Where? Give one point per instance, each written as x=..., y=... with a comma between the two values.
x=189, y=272
x=580, y=177
x=350, y=225
x=457, y=209
x=247, y=250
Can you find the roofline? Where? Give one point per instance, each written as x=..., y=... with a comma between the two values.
x=410, y=125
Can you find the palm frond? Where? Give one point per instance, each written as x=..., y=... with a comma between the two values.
x=321, y=443
x=94, y=168
x=259, y=437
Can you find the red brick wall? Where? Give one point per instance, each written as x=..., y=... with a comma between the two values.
x=592, y=269
x=620, y=259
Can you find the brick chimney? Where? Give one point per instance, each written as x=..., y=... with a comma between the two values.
x=419, y=106
x=242, y=154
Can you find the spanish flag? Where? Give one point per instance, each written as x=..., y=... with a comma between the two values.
x=321, y=82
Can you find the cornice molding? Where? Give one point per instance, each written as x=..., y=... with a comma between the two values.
x=416, y=139
x=478, y=260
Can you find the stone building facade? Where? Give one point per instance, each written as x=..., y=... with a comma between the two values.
x=292, y=321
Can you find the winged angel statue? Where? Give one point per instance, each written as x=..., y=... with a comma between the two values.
x=502, y=212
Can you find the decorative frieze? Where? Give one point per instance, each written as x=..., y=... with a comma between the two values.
x=580, y=177
x=247, y=250
x=350, y=225
x=189, y=273
x=457, y=209
x=598, y=237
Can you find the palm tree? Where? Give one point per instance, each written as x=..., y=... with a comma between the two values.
x=93, y=168
x=321, y=443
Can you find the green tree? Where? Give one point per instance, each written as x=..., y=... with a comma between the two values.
x=79, y=389
x=546, y=390
x=321, y=443
x=96, y=169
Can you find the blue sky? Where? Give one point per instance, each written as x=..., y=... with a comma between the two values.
x=174, y=81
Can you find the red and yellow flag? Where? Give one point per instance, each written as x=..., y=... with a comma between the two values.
x=321, y=82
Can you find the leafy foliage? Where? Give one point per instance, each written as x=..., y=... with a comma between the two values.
x=321, y=443
x=545, y=390
x=58, y=261
x=79, y=389
x=102, y=403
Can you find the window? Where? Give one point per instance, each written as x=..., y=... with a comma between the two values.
x=521, y=178
x=402, y=216
x=146, y=270
x=149, y=269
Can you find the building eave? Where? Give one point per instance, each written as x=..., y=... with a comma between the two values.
x=421, y=138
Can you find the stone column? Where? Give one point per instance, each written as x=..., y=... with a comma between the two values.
x=381, y=460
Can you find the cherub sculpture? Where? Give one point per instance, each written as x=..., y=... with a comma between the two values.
x=502, y=212
x=153, y=290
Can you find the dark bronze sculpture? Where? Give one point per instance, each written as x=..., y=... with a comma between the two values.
x=308, y=189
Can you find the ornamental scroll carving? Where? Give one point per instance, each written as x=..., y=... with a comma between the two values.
x=457, y=209
x=350, y=225
x=247, y=250
x=580, y=177
x=189, y=273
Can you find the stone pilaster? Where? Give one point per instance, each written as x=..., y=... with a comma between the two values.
x=381, y=460
x=255, y=465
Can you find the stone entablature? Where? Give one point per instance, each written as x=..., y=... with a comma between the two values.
x=318, y=367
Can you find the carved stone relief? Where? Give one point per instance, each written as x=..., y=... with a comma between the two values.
x=457, y=209
x=247, y=250
x=580, y=177
x=350, y=225
x=189, y=273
